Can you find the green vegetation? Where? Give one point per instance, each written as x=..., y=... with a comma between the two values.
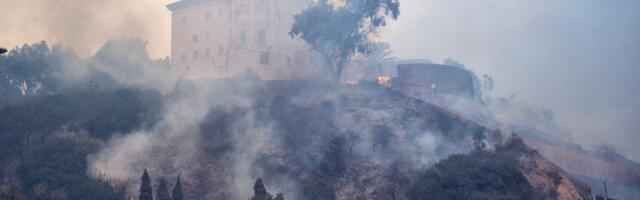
x=177, y=190
x=146, y=192
x=475, y=176
x=57, y=169
x=340, y=29
x=49, y=125
x=260, y=192
x=48, y=139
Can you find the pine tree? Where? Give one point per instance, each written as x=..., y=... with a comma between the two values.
x=163, y=192
x=177, y=190
x=146, y=193
x=260, y=192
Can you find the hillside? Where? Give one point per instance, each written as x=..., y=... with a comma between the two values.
x=363, y=142
x=306, y=139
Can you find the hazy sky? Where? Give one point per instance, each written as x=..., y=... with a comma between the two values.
x=85, y=24
x=578, y=58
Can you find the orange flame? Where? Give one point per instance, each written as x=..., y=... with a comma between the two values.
x=384, y=80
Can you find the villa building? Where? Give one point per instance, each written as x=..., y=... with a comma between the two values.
x=222, y=38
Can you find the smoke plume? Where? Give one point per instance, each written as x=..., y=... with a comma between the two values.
x=85, y=25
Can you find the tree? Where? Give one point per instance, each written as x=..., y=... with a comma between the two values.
x=55, y=168
x=128, y=62
x=339, y=29
x=474, y=176
x=380, y=55
x=146, y=193
x=163, y=192
x=260, y=192
x=32, y=70
x=486, y=86
x=177, y=190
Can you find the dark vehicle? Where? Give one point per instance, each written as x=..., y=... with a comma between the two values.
x=2, y=51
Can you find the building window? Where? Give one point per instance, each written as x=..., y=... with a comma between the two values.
x=288, y=61
x=195, y=38
x=183, y=57
x=183, y=22
x=207, y=52
x=262, y=37
x=195, y=54
x=220, y=12
x=213, y=63
x=207, y=16
x=264, y=58
x=243, y=38
x=221, y=50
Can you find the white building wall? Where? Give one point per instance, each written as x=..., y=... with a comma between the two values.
x=287, y=58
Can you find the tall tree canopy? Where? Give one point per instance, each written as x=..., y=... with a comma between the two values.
x=260, y=192
x=339, y=29
x=146, y=193
x=177, y=190
x=31, y=70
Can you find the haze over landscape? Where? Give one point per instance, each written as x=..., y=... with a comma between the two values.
x=319, y=99
x=576, y=58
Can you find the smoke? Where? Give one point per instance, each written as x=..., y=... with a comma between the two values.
x=516, y=111
x=268, y=137
x=85, y=25
x=571, y=57
x=127, y=61
x=521, y=45
x=575, y=58
x=173, y=146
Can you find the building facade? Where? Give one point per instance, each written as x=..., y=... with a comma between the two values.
x=223, y=38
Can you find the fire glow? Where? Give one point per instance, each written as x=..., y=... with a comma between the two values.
x=384, y=80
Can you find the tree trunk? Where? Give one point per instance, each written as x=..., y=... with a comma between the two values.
x=339, y=68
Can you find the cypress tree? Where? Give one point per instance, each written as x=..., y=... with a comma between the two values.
x=163, y=192
x=177, y=190
x=260, y=192
x=259, y=189
x=146, y=193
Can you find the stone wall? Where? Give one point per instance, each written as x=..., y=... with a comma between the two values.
x=428, y=81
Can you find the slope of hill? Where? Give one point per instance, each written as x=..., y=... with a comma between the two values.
x=363, y=142
x=305, y=139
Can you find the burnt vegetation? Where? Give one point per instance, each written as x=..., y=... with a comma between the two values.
x=46, y=139
x=362, y=141
x=326, y=144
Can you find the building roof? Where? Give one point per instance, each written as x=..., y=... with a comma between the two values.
x=185, y=3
